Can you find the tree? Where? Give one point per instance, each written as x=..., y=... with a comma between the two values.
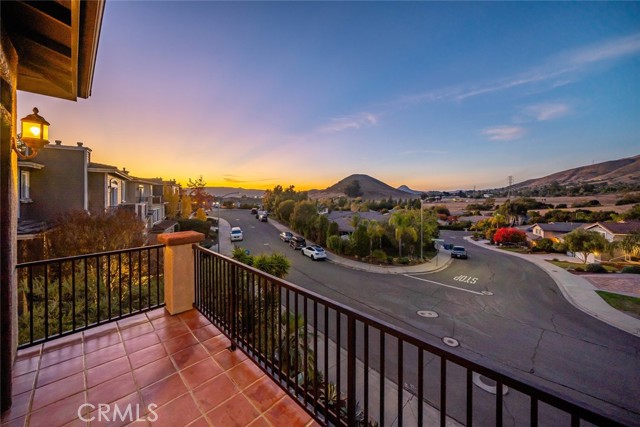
x=186, y=207
x=78, y=233
x=509, y=235
x=581, y=241
x=172, y=201
x=633, y=213
x=630, y=245
x=321, y=228
x=403, y=226
x=276, y=264
x=360, y=240
x=197, y=193
x=201, y=215
x=285, y=209
x=353, y=189
x=303, y=217
x=375, y=230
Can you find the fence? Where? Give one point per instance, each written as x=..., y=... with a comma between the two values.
x=62, y=296
x=347, y=368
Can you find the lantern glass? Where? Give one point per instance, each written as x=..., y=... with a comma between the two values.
x=31, y=130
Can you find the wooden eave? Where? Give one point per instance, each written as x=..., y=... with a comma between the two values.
x=56, y=42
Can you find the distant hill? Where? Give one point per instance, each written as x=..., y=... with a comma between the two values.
x=371, y=188
x=625, y=171
x=410, y=191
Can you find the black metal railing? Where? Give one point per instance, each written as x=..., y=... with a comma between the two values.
x=62, y=296
x=328, y=357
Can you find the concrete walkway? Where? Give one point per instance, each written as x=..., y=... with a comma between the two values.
x=578, y=290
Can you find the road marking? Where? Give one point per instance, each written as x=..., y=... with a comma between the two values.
x=447, y=286
x=466, y=279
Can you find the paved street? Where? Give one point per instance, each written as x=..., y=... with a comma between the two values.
x=501, y=309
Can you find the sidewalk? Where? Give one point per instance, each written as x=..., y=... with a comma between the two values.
x=578, y=290
x=440, y=262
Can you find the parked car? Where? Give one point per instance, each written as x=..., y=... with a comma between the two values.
x=236, y=234
x=297, y=242
x=314, y=252
x=459, y=252
x=285, y=236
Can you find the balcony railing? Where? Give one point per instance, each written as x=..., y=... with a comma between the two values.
x=328, y=357
x=61, y=296
x=151, y=200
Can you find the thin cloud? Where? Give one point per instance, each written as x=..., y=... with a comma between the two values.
x=556, y=71
x=544, y=112
x=609, y=50
x=504, y=133
x=409, y=152
x=356, y=121
x=232, y=180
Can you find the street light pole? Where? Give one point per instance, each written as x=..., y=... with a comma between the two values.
x=421, y=231
x=219, y=203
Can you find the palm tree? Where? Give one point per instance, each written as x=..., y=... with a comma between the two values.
x=403, y=224
x=375, y=230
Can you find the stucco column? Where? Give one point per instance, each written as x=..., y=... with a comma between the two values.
x=179, y=275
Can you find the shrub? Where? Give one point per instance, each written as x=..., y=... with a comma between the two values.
x=561, y=206
x=560, y=247
x=402, y=260
x=579, y=269
x=631, y=269
x=595, y=268
x=195, y=225
x=335, y=244
x=545, y=245
x=379, y=255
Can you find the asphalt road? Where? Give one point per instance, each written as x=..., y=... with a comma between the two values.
x=501, y=309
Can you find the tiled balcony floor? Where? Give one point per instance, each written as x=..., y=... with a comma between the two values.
x=179, y=363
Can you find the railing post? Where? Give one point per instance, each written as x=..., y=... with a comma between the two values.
x=233, y=309
x=179, y=274
x=351, y=370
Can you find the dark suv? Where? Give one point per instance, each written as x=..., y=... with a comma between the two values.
x=297, y=242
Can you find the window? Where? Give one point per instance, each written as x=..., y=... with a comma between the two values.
x=113, y=193
x=24, y=185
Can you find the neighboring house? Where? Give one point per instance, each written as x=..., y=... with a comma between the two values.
x=144, y=196
x=63, y=179
x=614, y=232
x=553, y=230
x=52, y=184
x=344, y=219
x=107, y=187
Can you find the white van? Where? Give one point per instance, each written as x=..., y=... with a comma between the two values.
x=236, y=234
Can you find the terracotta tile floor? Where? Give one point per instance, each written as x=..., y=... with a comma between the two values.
x=179, y=363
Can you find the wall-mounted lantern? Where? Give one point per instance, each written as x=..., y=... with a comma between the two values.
x=33, y=137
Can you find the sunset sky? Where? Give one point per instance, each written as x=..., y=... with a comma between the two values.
x=437, y=96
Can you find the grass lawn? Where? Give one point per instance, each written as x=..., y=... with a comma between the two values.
x=572, y=265
x=622, y=302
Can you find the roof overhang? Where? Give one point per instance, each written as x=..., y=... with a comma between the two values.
x=30, y=165
x=56, y=42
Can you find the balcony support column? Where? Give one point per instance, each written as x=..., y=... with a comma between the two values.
x=8, y=217
x=179, y=275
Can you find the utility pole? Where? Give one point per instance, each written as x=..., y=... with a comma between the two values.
x=510, y=180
